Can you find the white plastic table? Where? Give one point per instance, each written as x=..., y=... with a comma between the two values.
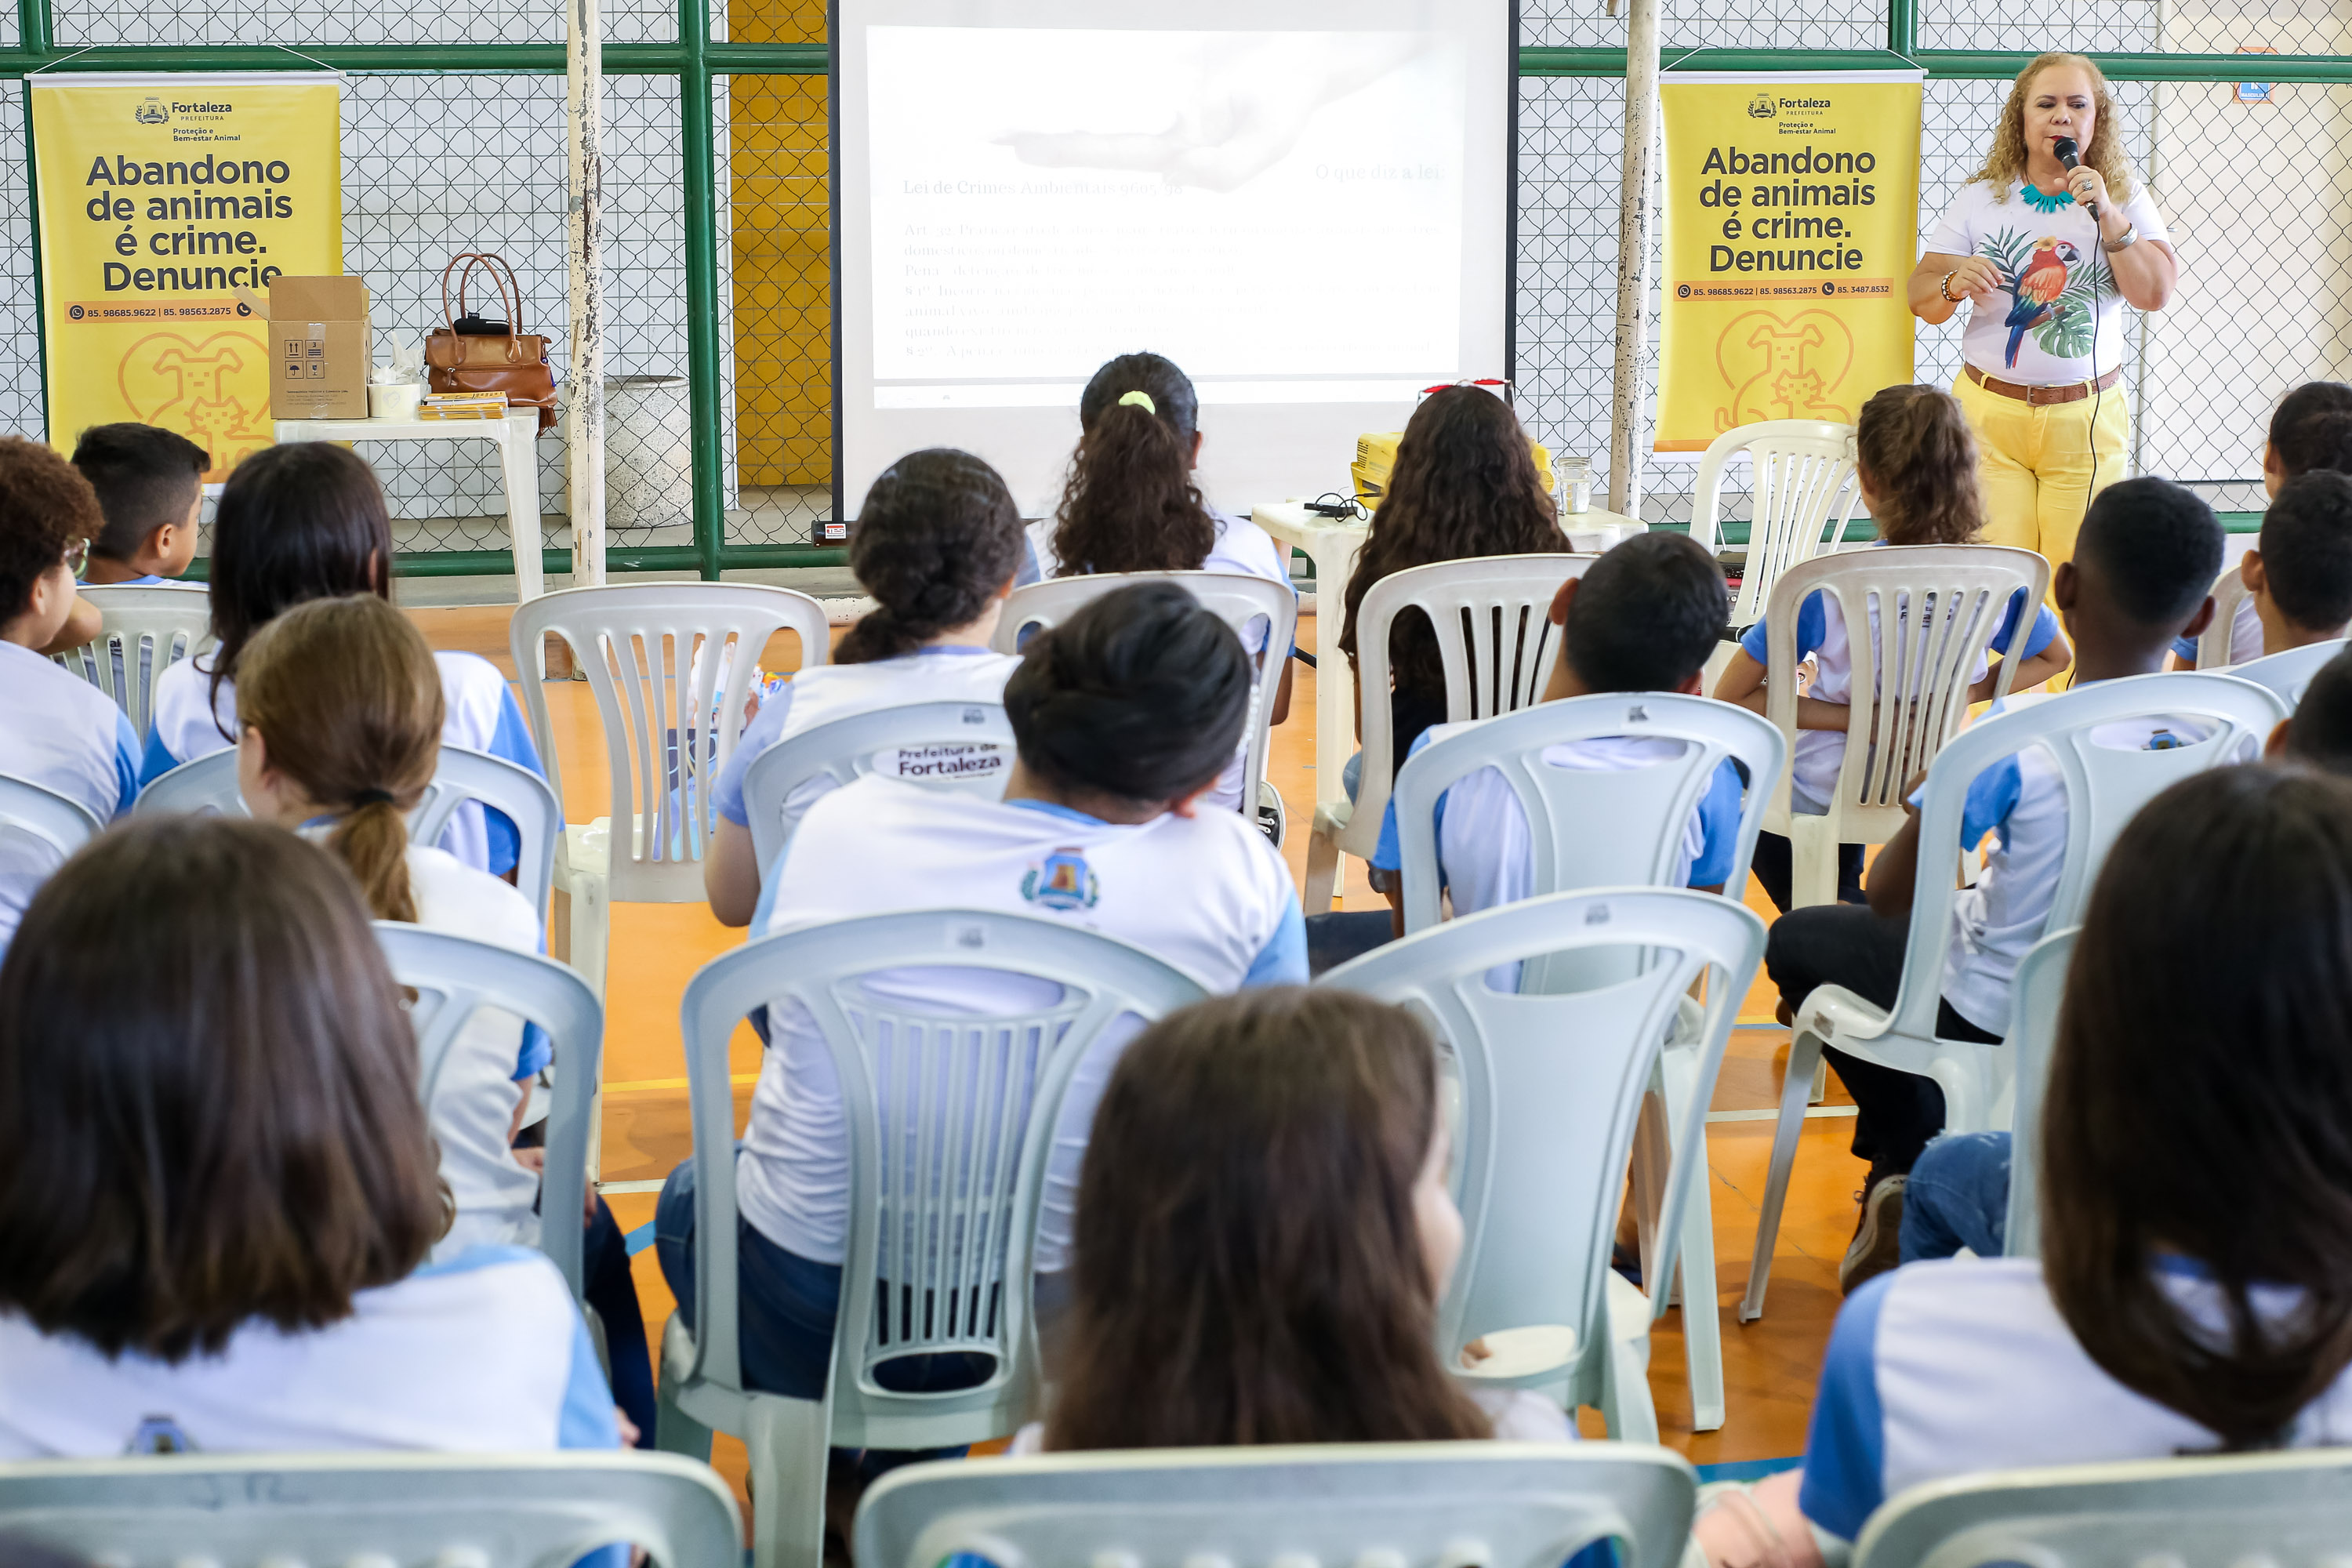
x=517, y=439
x=1333, y=546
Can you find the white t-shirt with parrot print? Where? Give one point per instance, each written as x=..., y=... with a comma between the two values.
x=2040, y=333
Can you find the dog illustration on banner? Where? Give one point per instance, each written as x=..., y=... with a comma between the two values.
x=201, y=390
x=1784, y=367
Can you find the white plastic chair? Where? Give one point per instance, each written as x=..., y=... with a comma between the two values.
x=2034, y=1000
x=2230, y=591
x=209, y=785
x=1525, y=1505
x=2105, y=789
x=454, y=978
x=516, y=793
x=1551, y=1088
x=1917, y=617
x=1598, y=829
x=670, y=665
x=1238, y=600
x=2286, y=675
x=1805, y=493
x=954, y=1221
x=65, y=824
x=848, y=749
x=486, y=1510
x=2288, y=1509
x=1498, y=646
x=143, y=633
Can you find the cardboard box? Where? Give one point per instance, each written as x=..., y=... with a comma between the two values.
x=319, y=348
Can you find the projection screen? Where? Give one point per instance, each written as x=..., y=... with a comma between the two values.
x=1306, y=204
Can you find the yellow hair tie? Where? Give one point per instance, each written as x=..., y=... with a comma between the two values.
x=1141, y=400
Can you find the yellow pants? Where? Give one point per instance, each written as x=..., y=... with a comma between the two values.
x=2035, y=463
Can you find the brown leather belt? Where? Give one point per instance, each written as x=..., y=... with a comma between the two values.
x=2043, y=396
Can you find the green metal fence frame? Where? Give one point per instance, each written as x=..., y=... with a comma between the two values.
x=696, y=61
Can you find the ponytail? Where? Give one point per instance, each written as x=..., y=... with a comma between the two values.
x=1129, y=504
x=347, y=699
x=371, y=841
x=1914, y=444
x=936, y=541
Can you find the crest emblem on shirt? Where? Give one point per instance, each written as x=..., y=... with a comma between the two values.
x=1063, y=881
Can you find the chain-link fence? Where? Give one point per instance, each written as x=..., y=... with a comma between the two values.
x=465, y=152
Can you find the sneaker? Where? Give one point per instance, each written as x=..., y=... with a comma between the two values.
x=1878, y=1240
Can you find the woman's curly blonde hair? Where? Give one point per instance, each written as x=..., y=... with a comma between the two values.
x=2005, y=165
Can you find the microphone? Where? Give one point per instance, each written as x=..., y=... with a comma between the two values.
x=2070, y=157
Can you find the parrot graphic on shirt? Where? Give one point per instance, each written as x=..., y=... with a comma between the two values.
x=2037, y=288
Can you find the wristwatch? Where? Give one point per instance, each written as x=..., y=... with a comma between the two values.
x=2130, y=239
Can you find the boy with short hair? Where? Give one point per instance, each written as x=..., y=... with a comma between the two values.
x=150, y=485
x=2311, y=432
x=2299, y=578
x=2143, y=566
x=57, y=729
x=1644, y=617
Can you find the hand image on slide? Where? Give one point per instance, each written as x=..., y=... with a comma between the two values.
x=1243, y=115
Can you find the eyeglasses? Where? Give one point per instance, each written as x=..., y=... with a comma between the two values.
x=1494, y=384
x=78, y=556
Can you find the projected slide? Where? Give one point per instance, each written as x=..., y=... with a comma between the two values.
x=1306, y=204
x=1044, y=199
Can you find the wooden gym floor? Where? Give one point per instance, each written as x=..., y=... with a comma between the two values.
x=1769, y=1366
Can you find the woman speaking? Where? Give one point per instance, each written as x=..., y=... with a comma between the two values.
x=2043, y=254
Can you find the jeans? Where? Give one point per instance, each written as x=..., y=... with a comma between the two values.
x=613, y=1293
x=1957, y=1196
x=1774, y=865
x=786, y=1308
x=1847, y=944
x=1333, y=939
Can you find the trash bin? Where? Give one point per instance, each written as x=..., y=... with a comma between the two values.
x=649, y=452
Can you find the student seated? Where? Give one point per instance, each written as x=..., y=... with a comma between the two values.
x=1124, y=715
x=1915, y=461
x=1264, y=1232
x=2196, y=1197
x=150, y=484
x=1644, y=617
x=2311, y=432
x=1465, y=485
x=2143, y=560
x=2299, y=577
x=307, y=520
x=342, y=708
x=218, y=1188
x=1958, y=1196
x=1131, y=505
x=57, y=729
x=936, y=544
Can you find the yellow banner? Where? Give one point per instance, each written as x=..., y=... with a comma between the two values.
x=1791, y=212
x=159, y=196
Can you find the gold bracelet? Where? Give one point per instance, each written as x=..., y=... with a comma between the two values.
x=1945, y=287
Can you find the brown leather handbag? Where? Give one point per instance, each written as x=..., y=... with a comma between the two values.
x=470, y=353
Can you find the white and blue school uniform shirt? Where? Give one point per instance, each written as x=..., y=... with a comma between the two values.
x=485, y=1353
x=59, y=731
x=480, y=715
x=1206, y=893
x=1822, y=634
x=1963, y=1365
x=1242, y=547
x=1485, y=855
x=943, y=672
x=2021, y=800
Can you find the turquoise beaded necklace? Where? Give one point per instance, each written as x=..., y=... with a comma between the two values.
x=2042, y=204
